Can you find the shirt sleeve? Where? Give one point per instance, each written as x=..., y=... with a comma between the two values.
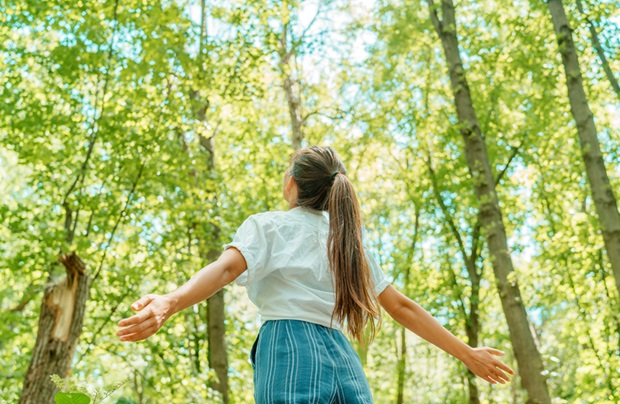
x=252, y=242
x=377, y=275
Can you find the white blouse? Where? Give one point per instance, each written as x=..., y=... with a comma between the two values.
x=288, y=275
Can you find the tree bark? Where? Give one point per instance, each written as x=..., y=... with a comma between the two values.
x=216, y=328
x=60, y=326
x=602, y=193
x=217, y=356
x=216, y=314
x=527, y=355
x=402, y=366
x=292, y=99
x=64, y=303
x=471, y=317
x=402, y=355
x=472, y=325
x=596, y=44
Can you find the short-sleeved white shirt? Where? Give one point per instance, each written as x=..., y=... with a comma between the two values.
x=288, y=275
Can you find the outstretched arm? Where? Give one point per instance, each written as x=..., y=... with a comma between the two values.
x=412, y=316
x=154, y=310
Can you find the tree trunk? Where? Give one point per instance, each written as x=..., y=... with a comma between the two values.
x=216, y=330
x=217, y=355
x=64, y=303
x=402, y=366
x=216, y=313
x=293, y=109
x=527, y=355
x=60, y=325
x=600, y=52
x=402, y=355
x=216, y=310
x=472, y=319
x=292, y=99
x=472, y=325
x=604, y=199
x=218, y=359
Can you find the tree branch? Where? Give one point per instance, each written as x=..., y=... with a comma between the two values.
x=120, y=218
x=432, y=8
x=443, y=206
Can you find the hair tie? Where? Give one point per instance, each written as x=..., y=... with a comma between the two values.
x=334, y=174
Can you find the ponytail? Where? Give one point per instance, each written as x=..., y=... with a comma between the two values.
x=355, y=300
x=323, y=185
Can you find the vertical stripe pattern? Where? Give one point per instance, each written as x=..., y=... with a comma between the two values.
x=296, y=361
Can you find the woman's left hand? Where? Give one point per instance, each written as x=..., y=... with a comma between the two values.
x=483, y=362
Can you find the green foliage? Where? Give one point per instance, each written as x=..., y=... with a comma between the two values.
x=72, y=392
x=146, y=87
x=71, y=398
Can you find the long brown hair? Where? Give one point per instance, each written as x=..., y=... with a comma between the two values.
x=322, y=184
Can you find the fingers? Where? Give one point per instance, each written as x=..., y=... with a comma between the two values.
x=139, y=336
x=140, y=304
x=499, y=367
x=505, y=367
x=501, y=377
x=138, y=318
x=495, y=352
x=149, y=322
x=493, y=378
x=489, y=379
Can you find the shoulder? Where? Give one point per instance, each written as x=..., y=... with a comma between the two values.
x=267, y=218
x=266, y=221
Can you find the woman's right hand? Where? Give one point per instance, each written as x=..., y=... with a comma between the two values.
x=153, y=311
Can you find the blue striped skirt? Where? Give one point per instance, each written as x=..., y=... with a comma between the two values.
x=300, y=362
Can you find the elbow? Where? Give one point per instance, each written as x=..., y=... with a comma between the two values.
x=232, y=264
x=397, y=305
x=405, y=312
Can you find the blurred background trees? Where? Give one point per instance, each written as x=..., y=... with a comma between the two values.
x=135, y=137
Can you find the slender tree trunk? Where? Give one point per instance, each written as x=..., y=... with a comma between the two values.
x=472, y=325
x=604, y=199
x=293, y=108
x=60, y=326
x=216, y=314
x=527, y=355
x=596, y=44
x=402, y=355
x=402, y=366
x=471, y=317
x=292, y=99
x=216, y=329
x=217, y=355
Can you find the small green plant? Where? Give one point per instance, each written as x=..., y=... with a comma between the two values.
x=75, y=393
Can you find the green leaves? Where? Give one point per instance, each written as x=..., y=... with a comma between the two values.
x=372, y=82
x=71, y=398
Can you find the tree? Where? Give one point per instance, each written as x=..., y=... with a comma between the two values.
x=598, y=47
x=602, y=192
x=63, y=307
x=526, y=352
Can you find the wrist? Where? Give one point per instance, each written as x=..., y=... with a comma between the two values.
x=465, y=354
x=173, y=303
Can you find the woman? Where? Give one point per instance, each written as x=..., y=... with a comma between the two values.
x=310, y=276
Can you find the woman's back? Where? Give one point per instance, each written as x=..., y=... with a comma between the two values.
x=288, y=275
